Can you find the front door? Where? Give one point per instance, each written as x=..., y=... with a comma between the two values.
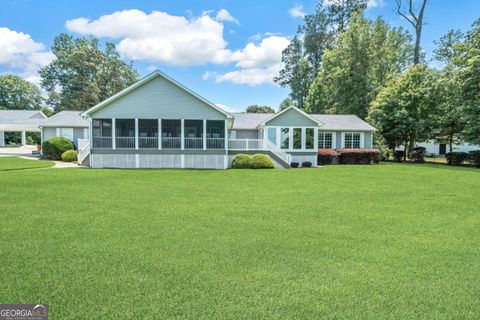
x=442, y=149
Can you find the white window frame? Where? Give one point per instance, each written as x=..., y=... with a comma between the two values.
x=362, y=139
x=323, y=142
x=290, y=137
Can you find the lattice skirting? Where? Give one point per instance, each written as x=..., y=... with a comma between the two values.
x=187, y=161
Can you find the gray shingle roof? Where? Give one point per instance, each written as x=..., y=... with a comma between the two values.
x=21, y=117
x=66, y=119
x=250, y=121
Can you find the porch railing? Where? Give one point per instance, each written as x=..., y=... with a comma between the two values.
x=246, y=144
x=125, y=142
x=277, y=151
x=148, y=142
x=83, y=150
x=193, y=143
x=215, y=143
x=171, y=143
x=102, y=142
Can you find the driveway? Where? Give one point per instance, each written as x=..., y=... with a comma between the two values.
x=23, y=151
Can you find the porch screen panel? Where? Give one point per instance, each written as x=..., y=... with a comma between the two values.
x=309, y=132
x=297, y=138
x=284, y=138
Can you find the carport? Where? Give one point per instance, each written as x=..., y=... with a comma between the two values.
x=21, y=121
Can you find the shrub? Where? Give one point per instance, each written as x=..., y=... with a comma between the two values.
x=398, y=155
x=306, y=164
x=358, y=156
x=262, y=161
x=474, y=157
x=55, y=147
x=418, y=154
x=456, y=158
x=326, y=156
x=69, y=156
x=242, y=161
x=294, y=164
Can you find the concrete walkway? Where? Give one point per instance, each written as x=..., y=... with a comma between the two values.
x=25, y=152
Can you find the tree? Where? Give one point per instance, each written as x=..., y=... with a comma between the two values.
x=416, y=20
x=19, y=94
x=340, y=12
x=255, y=108
x=366, y=55
x=83, y=73
x=403, y=109
x=296, y=72
x=286, y=103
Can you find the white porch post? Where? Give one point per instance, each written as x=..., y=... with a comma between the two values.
x=24, y=138
x=315, y=138
x=159, y=133
x=304, y=138
x=362, y=140
x=136, y=133
x=114, y=134
x=277, y=137
x=90, y=132
x=226, y=134
x=290, y=138
x=204, y=134
x=182, y=133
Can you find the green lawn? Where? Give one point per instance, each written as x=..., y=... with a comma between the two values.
x=391, y=241
x=15, y=163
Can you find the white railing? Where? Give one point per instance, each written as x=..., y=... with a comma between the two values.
x=83, y=150
x=171, y=143
x=102, y=142
x=215, y=143
x=277, y=151
x=193, y=143
x=148, y=142
x=246, y=144
x=125, y=142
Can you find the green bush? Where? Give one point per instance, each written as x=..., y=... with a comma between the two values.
x=55, y=147
x=418, y=154
x=398, y=155
x=474, y=158
x=262, y=161
x=456, y=158
x=69, y=156
x=242, y=161
x=358, y=156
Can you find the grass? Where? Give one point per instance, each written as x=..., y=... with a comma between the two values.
x=390, y=241
x=15, y=163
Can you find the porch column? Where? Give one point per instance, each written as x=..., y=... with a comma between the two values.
x=303, y=139
x=226, y=134
x=290, y=138
x=24, y=138
x=136, y=133
x=204, y=134
x=90, y=132
x=114, y=134
x=315, y=139
x=182, y=134
x=159, y=133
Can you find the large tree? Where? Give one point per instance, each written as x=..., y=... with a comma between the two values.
x=403, y=110
x=340, y=12
x=255, y=108
x=84, y=73
x=18, y=94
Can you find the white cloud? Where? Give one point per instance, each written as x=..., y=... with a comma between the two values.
x=251, y=77
x=23, y=55
x=228, y=108
x=297, y=11
x=158, y=36
x=375, y=3
x=224, y=15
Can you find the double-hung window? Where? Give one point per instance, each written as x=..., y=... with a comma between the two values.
x=352, y=140
x=325, y=140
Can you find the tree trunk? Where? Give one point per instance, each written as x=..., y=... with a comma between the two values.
x=450, y=143
x=416, y=54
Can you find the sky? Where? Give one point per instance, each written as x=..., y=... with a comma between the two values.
x=225, y=50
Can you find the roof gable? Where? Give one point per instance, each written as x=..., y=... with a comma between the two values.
x=291, y=116
x=178, y=94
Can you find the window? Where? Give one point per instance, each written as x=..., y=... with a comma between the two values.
x=297, y=138
x=325, y=140
x=309, y=138
x=272, y=135
x=284, y=139
x=352, y=140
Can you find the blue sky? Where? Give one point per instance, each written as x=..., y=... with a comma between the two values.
x=226, y=50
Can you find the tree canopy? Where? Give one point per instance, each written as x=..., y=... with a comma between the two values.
x=19, y=94
x=84, y=73
x=255, y=108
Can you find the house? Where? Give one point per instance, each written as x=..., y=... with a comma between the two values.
x=21, y=121
x=159, y=123
x=67, y=124
x=442, y=149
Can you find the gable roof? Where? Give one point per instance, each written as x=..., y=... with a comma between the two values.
x=66, y=119
x=22, y=117
x=303, y=113
x=251, y=121
x=145, y=80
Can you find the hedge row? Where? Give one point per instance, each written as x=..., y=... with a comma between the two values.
x=348, y=156
x=458, y=158
x=257, y=161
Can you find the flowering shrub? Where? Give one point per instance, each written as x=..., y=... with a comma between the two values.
x=358, y=156
x=326, y=156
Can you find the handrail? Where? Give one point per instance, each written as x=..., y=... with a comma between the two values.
x=277, y=151
x=83, y=152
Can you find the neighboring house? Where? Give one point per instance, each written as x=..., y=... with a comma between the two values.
x=159, y=123
x=433, y=147
x=22, y=121
x=67, y=124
